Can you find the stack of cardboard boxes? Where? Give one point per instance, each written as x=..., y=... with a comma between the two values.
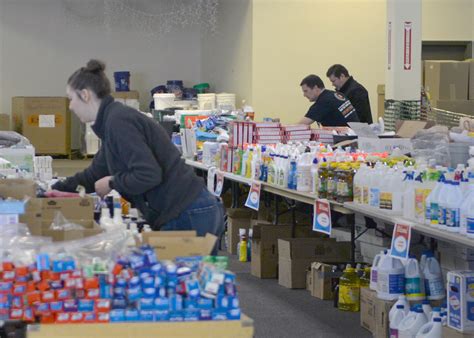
x=374, y=313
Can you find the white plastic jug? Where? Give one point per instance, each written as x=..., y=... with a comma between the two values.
x=409, y=195
x=467, y=206
x=433, y=198
x=303, y=173
x=414, y=284
x=453, y=203
x=396, y=319
x=432, y=329
x=402, y=300
x=374, y=270
x=434, y=285
x=427, y=310
x=443, y=204
x=410, y=325
x=390, y=278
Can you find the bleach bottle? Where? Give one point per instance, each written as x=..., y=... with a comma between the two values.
x=466, y=207
x=414, y=284
x=374, y=270
x=434, y=285
x=433, y=198
x=410, y=325
x=396, y=319
x=390, y=278
x=427, y=310
x=453, y=204
x=314, y=177
x=402, y=300
x=433, y=329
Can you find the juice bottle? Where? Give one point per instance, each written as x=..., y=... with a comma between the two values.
x=332, y=181
x=344, y=183
x=323, y=180
x=349, y=291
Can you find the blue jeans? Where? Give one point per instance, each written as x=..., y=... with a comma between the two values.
x=205, y=215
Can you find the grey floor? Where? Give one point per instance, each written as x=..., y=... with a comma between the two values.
x=276, y=311
x=282, y=312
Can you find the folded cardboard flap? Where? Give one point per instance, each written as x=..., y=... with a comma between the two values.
x=17, y=188
x=172, y=244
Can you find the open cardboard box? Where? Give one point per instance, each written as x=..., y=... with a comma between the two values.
x=172, y=244
x=91, y=228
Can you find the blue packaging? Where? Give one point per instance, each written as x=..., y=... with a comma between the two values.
x=69, y=264
x=147, y=315
x=42, y=262
x=134, y=294
x=58, y=266
x=172, y=281
x=120, y=283
x=117, y=315
x=56, y=284
x=183, y=271
x=176, y=316
x=149, y=292
x=191, y=315
x=19, y=289
x=147, y=304
x=162, y=304
x=148, y=282
x=17, y=302
x=219, y=314
x=5, y=286
x=119, y=303
x=150, y=255
x=137, y=261
x=229, y=277
x=85, y=305
x=4, y=305
x=90, y=317
x=161, y=292
x=134, y=282
x=190, y=304
x=205, y=303
x=176, y=303
x=205, y=314
x=63, y=294
x=119, y=292
x=161, y=315
x=122, y=81
x=42, y=308
x=105, y=291
x=160, y=281
x=156, y=269
x=132, y=315
x=192, y=288
x=230, y=289
x=233, y=314
x=70, y=305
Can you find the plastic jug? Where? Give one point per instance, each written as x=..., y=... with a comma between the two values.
x=410, y=325
x=436, y=313
x=453, y=203
x=402, y=300
x=466, y=206
x=390, y=278
x=443, y=204
x=374, y=270
x=434, y=285
x=409, y=195
x=414, y=284
x=396, y=319
x=427, y=310
x=374, y=186
x=314, y=177
x=434, y=202
x=349, y=291
x=433, y=329
x=391, y=196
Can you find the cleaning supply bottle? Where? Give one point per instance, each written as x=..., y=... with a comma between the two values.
x=391, y=196
x=249, y=246
x=433, y=198
x=433, y=176
x=349, y=290
x=414, y=283
x=434, y=285
x=239, y=243
x=395, y=320
x=436, y=313
x=358, y=188
x=443, y=203
x=271, y=178
x=390, y=278
x=453, y=204
x=118, y=220
x=427, y=310
x=466, y=206
x=410, y=325
x=292, y=174
x=375, y=181
x=374, y=270
x=402, y=300
x=304, y=175
x=470, y=217
x=433, y=329
x=421, y=193
x=243, y=249
x=409, y=195
x=314, y=177
x=365, y=278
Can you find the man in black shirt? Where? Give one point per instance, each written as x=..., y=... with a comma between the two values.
x=353, y=90
x=330, y=109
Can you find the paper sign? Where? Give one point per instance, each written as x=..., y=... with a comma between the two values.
x=401, y=241
x=219, y=183
x=253, y=199
x=46, y=121
x=322, y=217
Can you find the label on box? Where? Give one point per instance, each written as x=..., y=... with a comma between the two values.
x=400, y=241
x=253, y=199
x=46, y=121
x=322, y=217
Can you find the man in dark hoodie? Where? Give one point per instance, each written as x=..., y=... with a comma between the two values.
x=353, y=90
x=137, y=159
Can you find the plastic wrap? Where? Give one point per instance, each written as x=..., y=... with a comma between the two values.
x=432, y=143
x=11, y=138
x=61, y=223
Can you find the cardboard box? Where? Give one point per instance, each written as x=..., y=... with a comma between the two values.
x=17, y=188
x=69, y=235
x=309, y=281
x=380, y=100
x=295, y=255
x=382, y=326
x=264, y=262
x=457, y=106
x=133, y=94
x=471, y=79
x=45, y=121
x=5, y=122
x=450, y=333
x=238, y=218
x=73, y=209
x=323, y=280
x=460, y=307
x=367, y=309
x=172, y=244
x=446, y=80
x=242, y=328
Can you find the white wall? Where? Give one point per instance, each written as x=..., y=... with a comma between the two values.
x=227, y=54
x=41, y=48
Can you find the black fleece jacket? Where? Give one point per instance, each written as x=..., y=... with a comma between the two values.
x=359, y=98
x=147, y=168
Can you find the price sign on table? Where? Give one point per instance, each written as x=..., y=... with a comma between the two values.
x=400, y=241
x=322, y=217
x=253, y=199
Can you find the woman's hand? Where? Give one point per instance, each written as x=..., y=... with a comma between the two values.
x=102, y=187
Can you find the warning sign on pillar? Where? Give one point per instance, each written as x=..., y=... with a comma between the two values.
x=407, y=45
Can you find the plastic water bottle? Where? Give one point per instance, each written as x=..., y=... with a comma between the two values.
x=396, y=319
x=434, y=285
x=433, y=329
x=402, y=300
x=410, y=325
x=414, y=284
x=374, y=270
x=390, y=278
